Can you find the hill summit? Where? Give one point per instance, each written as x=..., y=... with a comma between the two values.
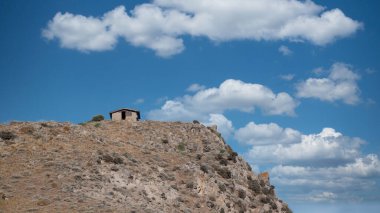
x=108, y=166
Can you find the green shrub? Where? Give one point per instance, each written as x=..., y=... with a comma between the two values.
x=286, y=209
x=222, y=187
x=204, y=168
x=224, y=172
x=199, y=156
x=265, y=200
x=181, y=147
x=223, y=162
x=206, y=149
x=242, y=194
x=254, y=186
x=219, y=156
x=97, y=125
x=5, y=135
x=190, y=185
x=97, y=118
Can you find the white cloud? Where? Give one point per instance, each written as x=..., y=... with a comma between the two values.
x=80, y=32
x=322, y=29
x=230, y=95
x=224, y=125
x=324, y=196
x=319, y=167
x=358, y=175
x=139, y=101
x=341, y=84
x=327, y=147
x=148, y=26
x=284, y=50
x=266, y=134
x=195, y=88
x=160, y=25
x=361, y=167
x=287, y=77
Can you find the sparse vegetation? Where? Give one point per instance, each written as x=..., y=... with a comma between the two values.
x=264, y=199
x=222, y=187
x=241, y=193
x=204, y=168
x=190, y=185
x=115, y=159
x=224, y=172
x=232, y=156
x=6, y=135
x=219, y=156
x=286, y=209
x=181, y=147
x=127, y=167
x=199, y=156
x=27, y=130
x=45, y=125
x=196, y=122
x=97, y=118
x=206, y=149
x=254, y=186
x=223, y=162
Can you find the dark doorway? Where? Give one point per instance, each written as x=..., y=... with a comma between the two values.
x=123, y=116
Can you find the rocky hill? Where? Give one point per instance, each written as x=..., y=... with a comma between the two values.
x=108, y=166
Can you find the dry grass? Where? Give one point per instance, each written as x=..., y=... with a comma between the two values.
x=119, y=167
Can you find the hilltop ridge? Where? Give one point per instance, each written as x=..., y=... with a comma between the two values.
x=145, y=166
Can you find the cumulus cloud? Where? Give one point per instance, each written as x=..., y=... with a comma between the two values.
x=80, y=32
x=319, y=167
x=195, y=88
x=161, y=24
x=327, y=147
x=361, y=167
x=284, y=50
x=224, y=125
x=230, y=95
x=266, y=134
x=339, y=85
x=324, y=196
x=358, y=175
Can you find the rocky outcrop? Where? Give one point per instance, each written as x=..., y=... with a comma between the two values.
x=145, y=166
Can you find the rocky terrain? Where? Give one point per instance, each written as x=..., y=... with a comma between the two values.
x=108, y=166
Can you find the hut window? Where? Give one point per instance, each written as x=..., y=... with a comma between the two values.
x=123, y=115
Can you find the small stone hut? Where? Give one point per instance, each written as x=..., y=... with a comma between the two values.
x=125, y=114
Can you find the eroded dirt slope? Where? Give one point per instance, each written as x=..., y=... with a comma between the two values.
x=145, y=166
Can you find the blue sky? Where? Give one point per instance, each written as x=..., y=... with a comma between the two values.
x=292, y=85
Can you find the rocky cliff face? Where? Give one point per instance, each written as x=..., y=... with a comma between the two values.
x=144, y=166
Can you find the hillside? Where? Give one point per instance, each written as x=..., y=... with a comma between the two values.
x=145, y=166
